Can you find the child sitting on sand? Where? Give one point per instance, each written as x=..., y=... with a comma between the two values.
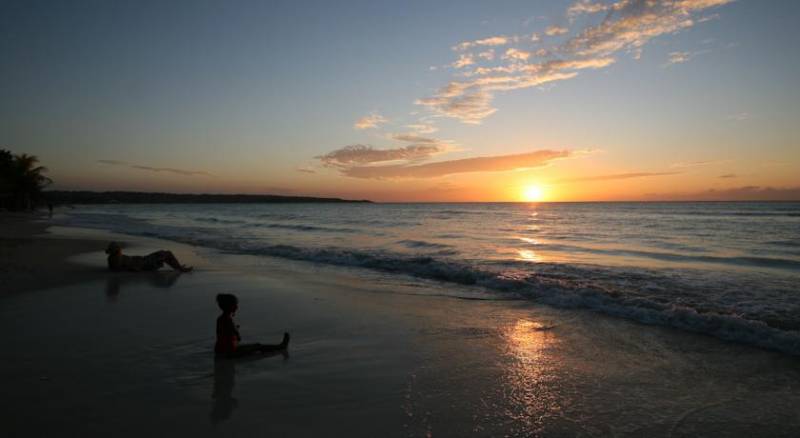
x=228, y=333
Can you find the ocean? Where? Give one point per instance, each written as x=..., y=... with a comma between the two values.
x=729, y=270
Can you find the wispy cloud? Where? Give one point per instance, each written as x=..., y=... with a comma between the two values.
x=183, y=172
x=305, y=169
x=678, y=58
x=627, y=27
x=467, y=165
x=422, y=128
x=618, y=176
x=729, y=175
x=464, y=60
x=740, y=116
x=414, y=138
x=491, y=41
x=586, y=7
x=687, y=164
x=370, y=121
x=555, y=30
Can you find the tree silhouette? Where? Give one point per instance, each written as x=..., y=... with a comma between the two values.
x=21, y=180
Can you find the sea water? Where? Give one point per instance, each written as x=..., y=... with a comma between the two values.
x=731, y=270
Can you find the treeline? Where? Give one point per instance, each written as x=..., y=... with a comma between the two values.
x=21, y=181
x=86, y=197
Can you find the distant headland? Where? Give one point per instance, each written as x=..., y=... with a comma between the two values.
x=121, y=197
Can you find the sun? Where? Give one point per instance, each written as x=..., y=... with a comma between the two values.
x=533, y=193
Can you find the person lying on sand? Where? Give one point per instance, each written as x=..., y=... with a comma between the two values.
x=151, y=262
x=228, y=333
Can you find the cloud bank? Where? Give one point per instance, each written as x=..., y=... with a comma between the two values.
x=183, y=172
x=360, y=154
x=467, y=165
x=628, y=25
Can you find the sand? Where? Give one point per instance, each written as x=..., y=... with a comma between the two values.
x=92, y=353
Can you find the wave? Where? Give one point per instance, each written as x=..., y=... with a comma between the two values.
x=303, y=227
x=761, y=262
x=215, y=220
x=422, y=244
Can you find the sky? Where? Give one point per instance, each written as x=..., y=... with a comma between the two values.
x=578, y=100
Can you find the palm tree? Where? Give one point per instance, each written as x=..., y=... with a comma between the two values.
x=21, y=179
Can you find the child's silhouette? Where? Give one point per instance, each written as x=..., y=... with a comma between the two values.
x=228, y=333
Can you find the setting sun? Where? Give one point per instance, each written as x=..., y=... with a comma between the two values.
x=533, y=193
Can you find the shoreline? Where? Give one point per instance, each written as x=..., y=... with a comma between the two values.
x=370, y=355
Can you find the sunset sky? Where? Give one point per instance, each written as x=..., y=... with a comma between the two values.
x=409, y=100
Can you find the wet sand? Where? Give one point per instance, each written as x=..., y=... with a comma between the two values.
x=106, y=354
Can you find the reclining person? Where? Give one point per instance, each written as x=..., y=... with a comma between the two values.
x=151, y=262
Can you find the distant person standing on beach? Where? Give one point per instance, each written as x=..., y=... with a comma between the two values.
x=151, y=262
x=228, y=336
x=50, y=208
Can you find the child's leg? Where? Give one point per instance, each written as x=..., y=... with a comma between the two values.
x=248, y=349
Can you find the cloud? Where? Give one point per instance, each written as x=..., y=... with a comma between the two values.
x=470, y=103
x=519, y=55
x=422, y=128
x=113, y=162
x=631, y=24
x=467, y=165
x=370, y=121
x=686, y=164
x=414, y=138
x=627, y=27
x=745, y=193
x=488, y=55
x=491, y=41
x=729, y=175
x=739, y=117
x=305, y=169
x=678, y=57
x=618, y=176
x=586, y=7
x=155, y=169
x=464, y=60
x=555, y=30
x=355, y=155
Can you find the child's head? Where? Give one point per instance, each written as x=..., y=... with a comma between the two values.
x=227, y=302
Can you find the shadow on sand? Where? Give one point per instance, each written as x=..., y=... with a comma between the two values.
x=160, y=279
x=225, y=380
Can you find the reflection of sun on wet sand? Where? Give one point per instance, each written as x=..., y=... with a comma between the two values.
x=531, y=373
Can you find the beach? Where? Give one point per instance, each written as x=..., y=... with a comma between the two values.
x=89, y=353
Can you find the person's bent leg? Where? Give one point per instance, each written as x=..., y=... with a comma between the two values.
x=169, y=258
